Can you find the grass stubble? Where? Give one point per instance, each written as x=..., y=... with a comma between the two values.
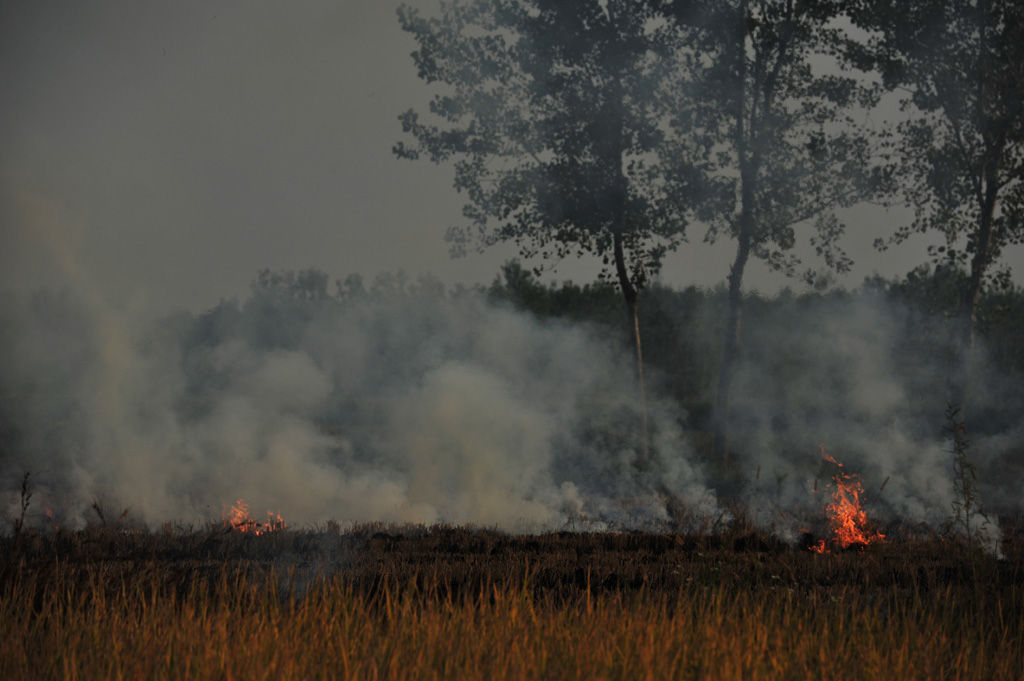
x=443, y=602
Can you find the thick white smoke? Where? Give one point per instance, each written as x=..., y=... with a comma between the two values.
x=413, y=407
x=406, y=404
x=841, y=373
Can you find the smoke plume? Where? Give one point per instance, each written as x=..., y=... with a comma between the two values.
x=401, y=402
x=400, y=406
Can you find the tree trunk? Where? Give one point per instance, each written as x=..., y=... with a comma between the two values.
x=988, y=190
x=748, y=164
x=730, y=351
x=631, y=296
x=969, y=315
x=614, y=151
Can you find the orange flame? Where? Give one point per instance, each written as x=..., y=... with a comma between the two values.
x=849, y=522
x=238, y=518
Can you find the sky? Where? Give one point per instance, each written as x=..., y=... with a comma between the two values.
x=162, y=153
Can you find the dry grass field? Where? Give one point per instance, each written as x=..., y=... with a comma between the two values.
x=445, y=602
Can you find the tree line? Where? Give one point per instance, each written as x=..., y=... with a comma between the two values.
x=790, y=334
x=684, y=332
x=872, y=358
x=616, y=129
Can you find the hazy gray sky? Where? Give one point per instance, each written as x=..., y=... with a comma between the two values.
x=163, y=152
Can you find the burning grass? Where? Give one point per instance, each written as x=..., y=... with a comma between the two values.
x=238, y=518
x=445, y=602
x=846, y=517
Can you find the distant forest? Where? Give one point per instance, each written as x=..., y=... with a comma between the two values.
x=791, y=336
x=683, y=328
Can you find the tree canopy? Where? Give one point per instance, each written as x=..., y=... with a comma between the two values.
x=552, y=116
x=959, y=157
x=782, y=123
x=787, y=150
x=553, y=113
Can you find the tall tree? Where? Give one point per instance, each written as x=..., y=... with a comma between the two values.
x=551, y=111
x=787, y=152
x=959, y=158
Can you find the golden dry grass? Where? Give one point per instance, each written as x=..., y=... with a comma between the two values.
x=505, y=633
x=726, y=615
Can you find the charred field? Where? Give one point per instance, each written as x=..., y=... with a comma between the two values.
x=404, y=601
x=445, y=560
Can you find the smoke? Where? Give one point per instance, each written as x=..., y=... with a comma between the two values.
x=404, y=403
x=400, y=406
x=866, y=377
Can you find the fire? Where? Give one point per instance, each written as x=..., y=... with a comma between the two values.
x=850, y=526
x=239, y=519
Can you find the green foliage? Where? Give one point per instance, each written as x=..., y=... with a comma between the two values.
x=551, y=114
x=788, y=150
x=959, y=159
x=966, y=503
x=962, y=150
x=597, y=303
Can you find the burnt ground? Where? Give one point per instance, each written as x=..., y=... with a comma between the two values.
x=458, y=562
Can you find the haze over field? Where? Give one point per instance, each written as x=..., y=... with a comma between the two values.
x=155, y=158
x=408, y=405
